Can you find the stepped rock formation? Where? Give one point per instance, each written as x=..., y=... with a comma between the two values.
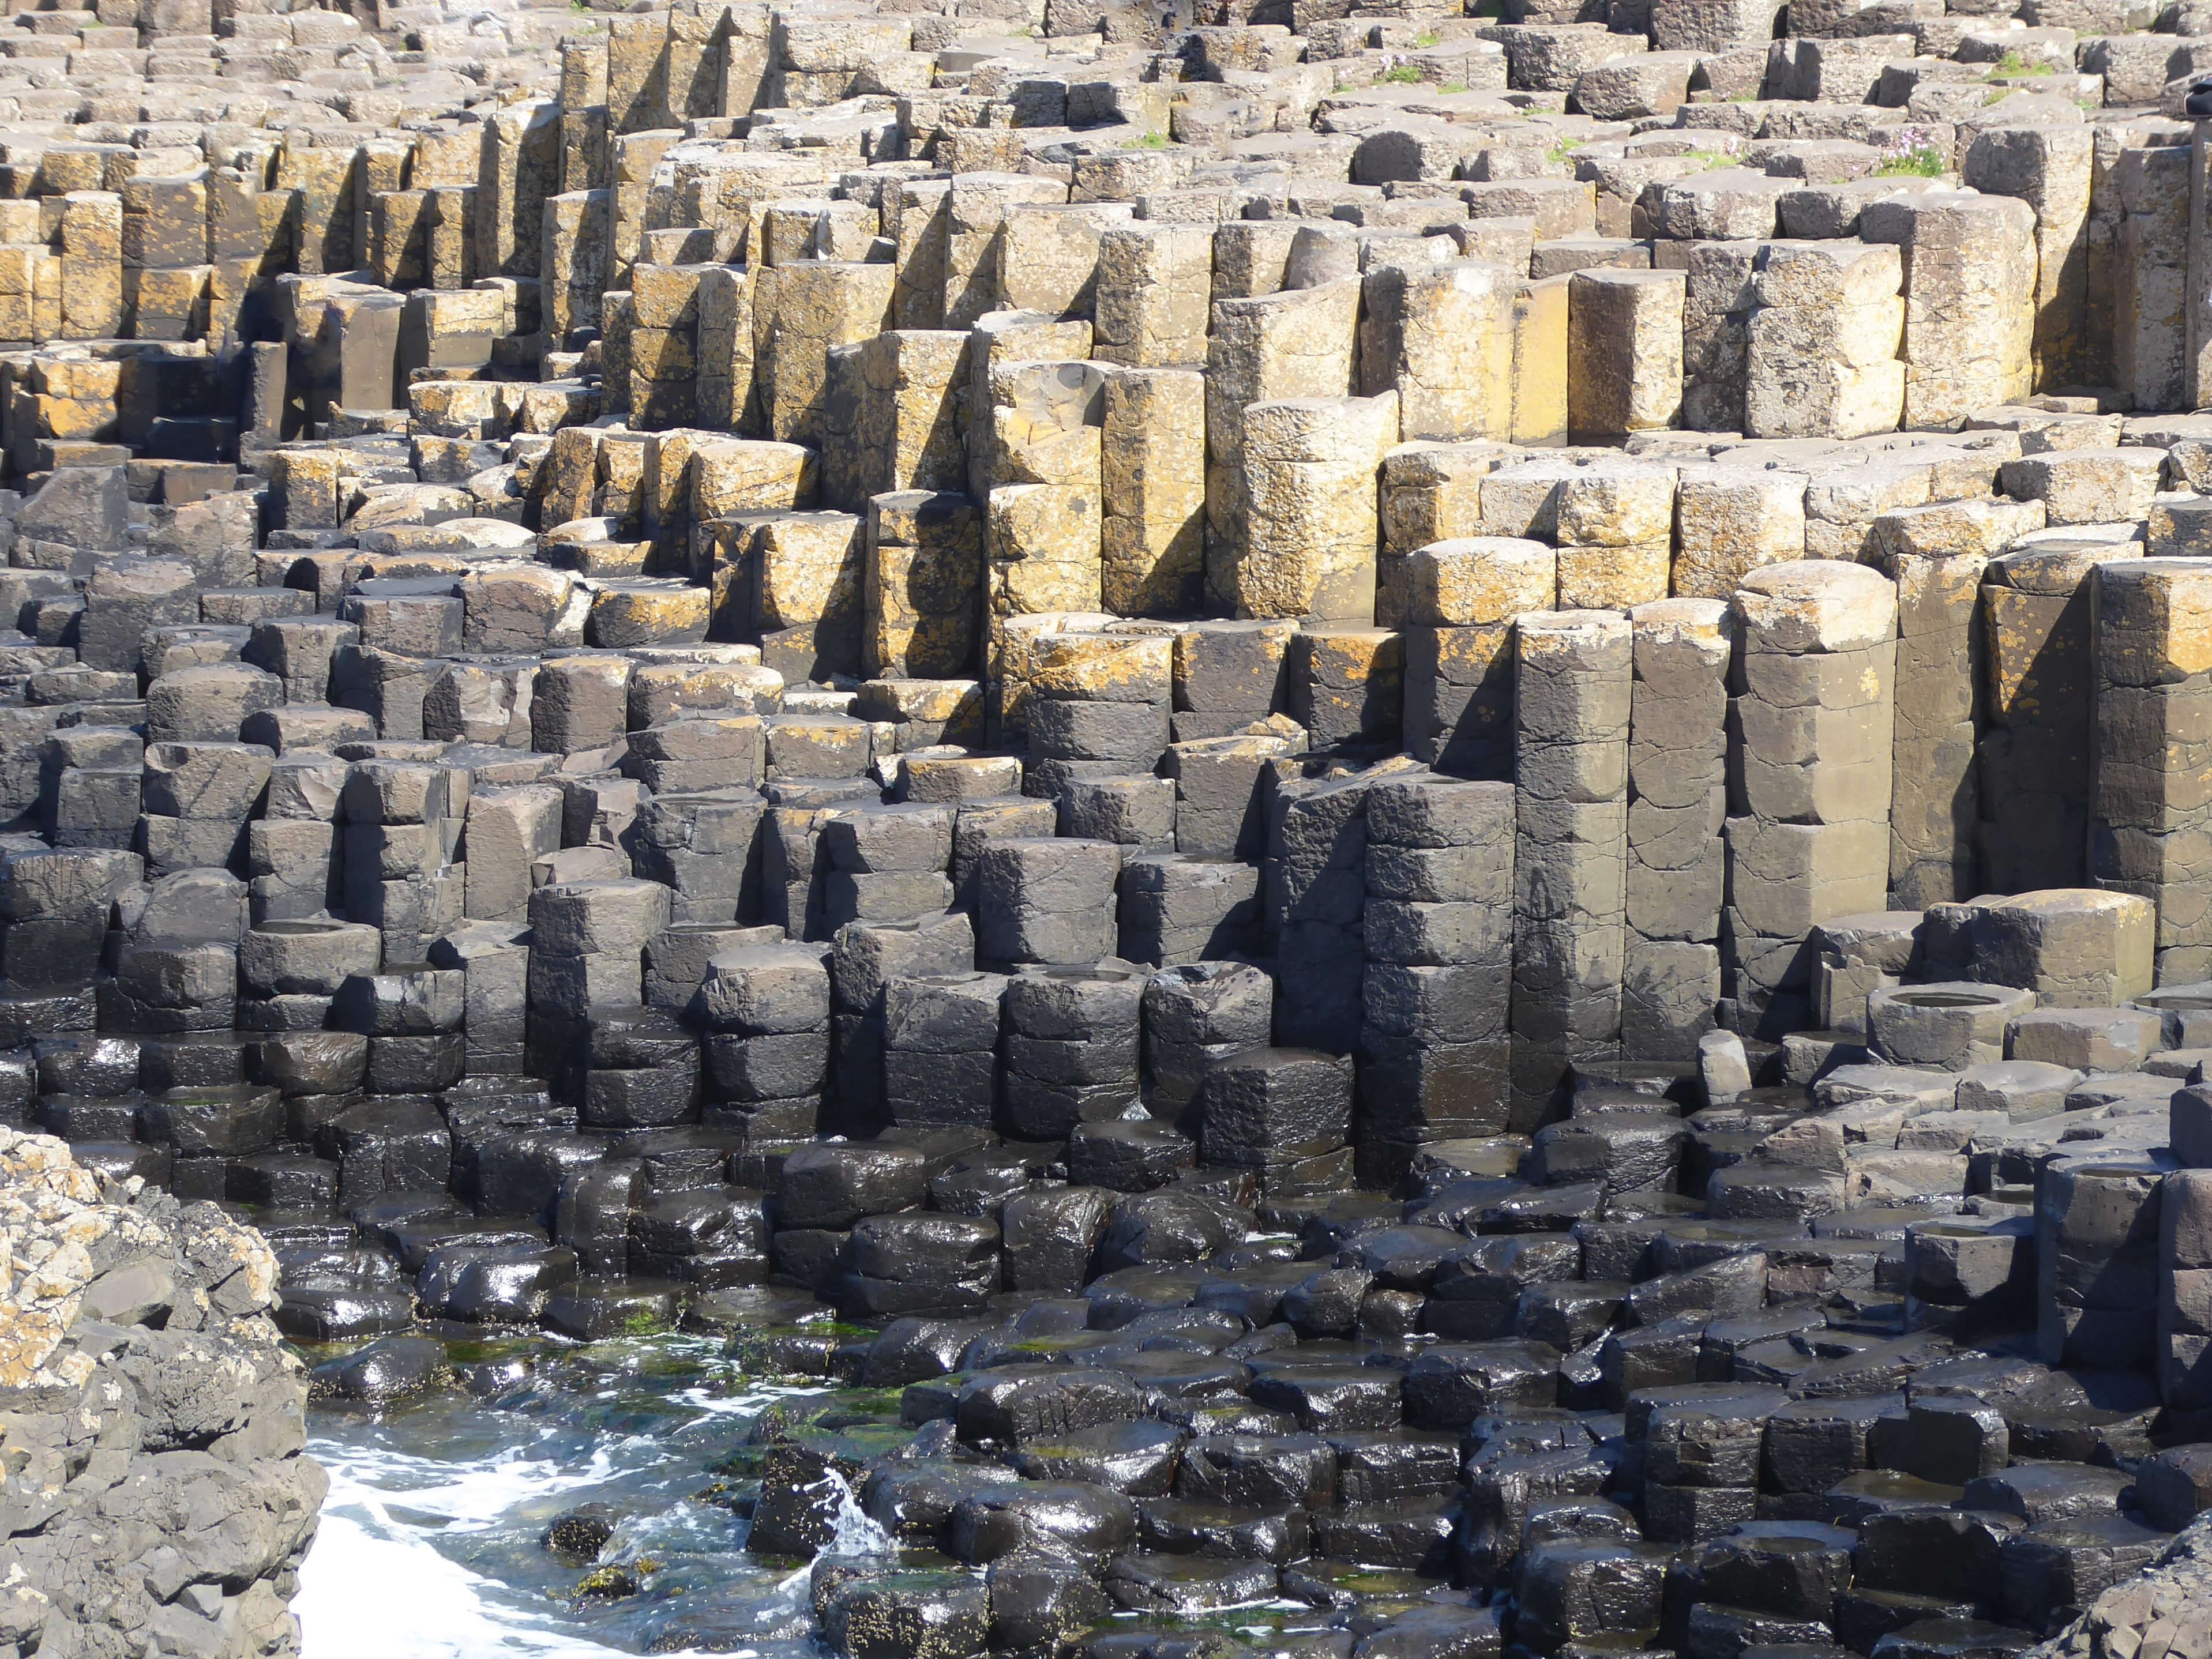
x=1421, y=785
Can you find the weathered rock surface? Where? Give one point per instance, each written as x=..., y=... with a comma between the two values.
x=151, y=1421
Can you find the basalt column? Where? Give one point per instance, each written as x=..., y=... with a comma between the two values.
x=1573, y=677
x=1809, y=784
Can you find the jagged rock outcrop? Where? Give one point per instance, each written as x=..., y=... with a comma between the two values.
x=2164, y=1611
x=155, y=1498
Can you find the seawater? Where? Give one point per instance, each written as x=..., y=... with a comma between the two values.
x=430, y=1541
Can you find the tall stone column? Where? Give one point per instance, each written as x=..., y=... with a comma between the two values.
x=1462, y=596
x=2150, y=810
x=1153, y=480
x=1933, y=801
x=1300, y=343
x=1436, y=994
x=1572, y=681
x=2151, y=321
x=1970, y=272
x=1677, y=804
x=812, y=306
x=2049, y=168
x=1441, y=337
x=2033, y=758
x=1624, y=352
x=1043, y=545
x=2198, y=295
x=925, y=567
x=1810, y=779
x=1153, y=288
x=1311, y=533
x=976, y=218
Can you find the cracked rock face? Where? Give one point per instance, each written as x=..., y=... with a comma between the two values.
x=155, y=1498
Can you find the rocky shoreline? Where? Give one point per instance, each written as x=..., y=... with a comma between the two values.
x=155, y=1497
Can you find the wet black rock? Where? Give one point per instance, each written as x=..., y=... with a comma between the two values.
x=390, y=1369
x=913, y=1614
x=575, y=1537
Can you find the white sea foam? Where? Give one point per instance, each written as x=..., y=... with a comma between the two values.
x=857, y=1532
x=375, y=1585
